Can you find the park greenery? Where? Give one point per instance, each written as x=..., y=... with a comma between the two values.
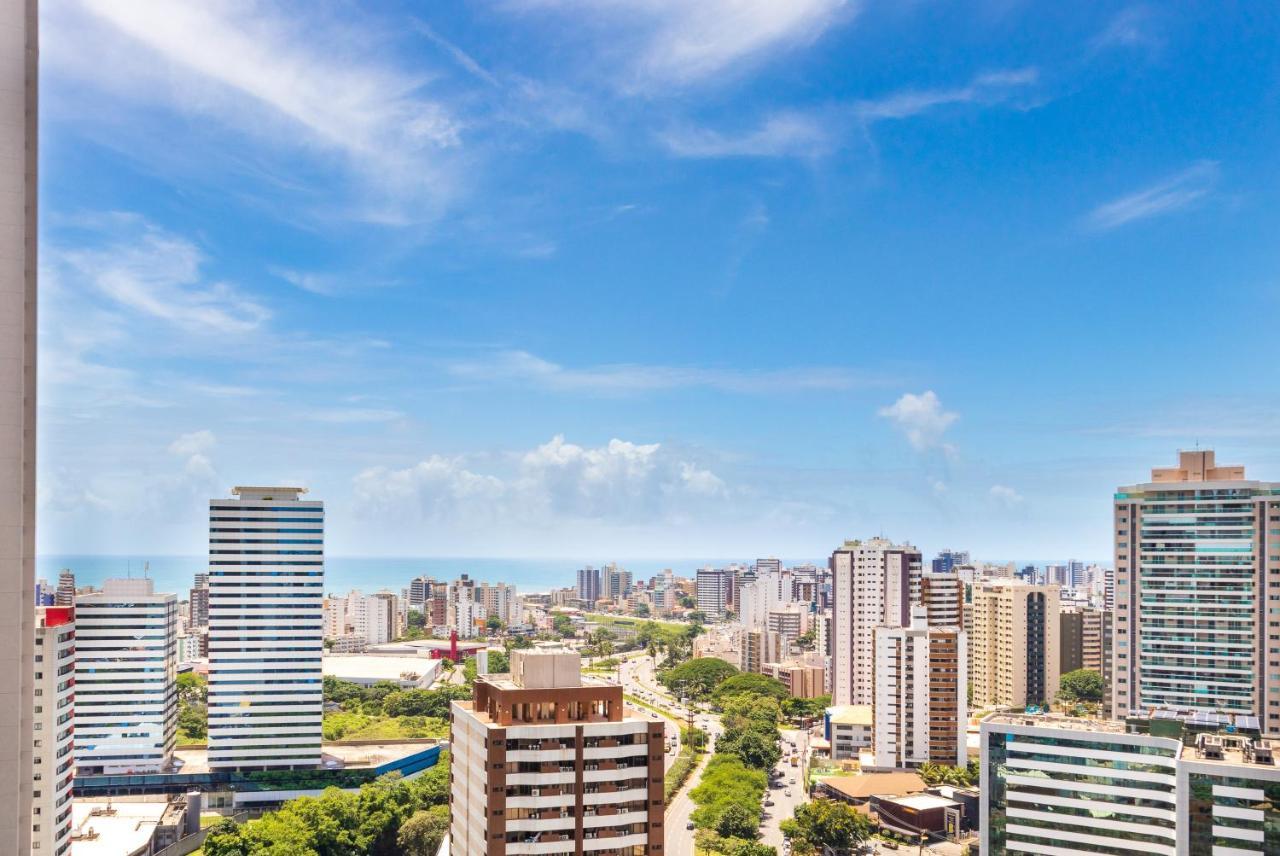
x=385, y=711
x=387, y=817
x=822, y=824
x=697, y=678
x=193, y=709
x=940, y=774
x=1082, y=685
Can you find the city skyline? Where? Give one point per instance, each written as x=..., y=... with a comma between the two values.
x=508, y=277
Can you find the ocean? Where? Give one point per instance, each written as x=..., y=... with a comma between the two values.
x=369, y=574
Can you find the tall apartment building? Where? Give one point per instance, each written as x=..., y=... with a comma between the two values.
x=759, y=648
x=431, y=598
x=467, y=612
x=920, y=711
x=589, y=584
x=266, y=633
x=617, y=582
x=499, y=600
x=198, y=601
x=714, y=587
x=942, y=596
x=1081, y=633
x=547, y=762
x=1014, y=649
x=66, y=595
x=54, y=724
x=126, y=695
x=872, y=588
x=1196, y=567
x=384, y=620
x=19, y=77
x=947, y=560
x=1158, y=785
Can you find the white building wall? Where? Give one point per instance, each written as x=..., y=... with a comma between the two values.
x=54, y=723
x=126, y=702
x=266, y=594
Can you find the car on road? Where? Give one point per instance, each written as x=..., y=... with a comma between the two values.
x=791, y=781
x=768, y=803
x=689, y=825
x=787, y=792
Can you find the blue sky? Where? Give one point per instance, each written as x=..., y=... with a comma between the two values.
x=652, y=278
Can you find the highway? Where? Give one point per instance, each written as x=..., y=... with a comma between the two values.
x=784, y=806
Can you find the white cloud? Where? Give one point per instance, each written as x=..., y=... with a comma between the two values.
x=667, y=42
x=1006, y=496
x=781, y=135
x=195, y=443
x=1130, y=28
x=523, y=367
x=151, y=272
x=303, y=83
x=987, y=88
x=1174, y=193
x=922, y=419
x=621, y=482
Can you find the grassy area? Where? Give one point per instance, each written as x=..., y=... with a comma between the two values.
x=343, y=725
x=633, y=622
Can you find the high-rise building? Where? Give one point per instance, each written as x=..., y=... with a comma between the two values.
x=198, y=601
x=499, y=600
x=266, y=629
x=920, y=712
x=384, y=617
x=1013, y=653
x=54, y=761
x=713, y=588
x=1080, y=630
x=589, y=584
x=126, y=695
x=19, y=76
x=66, y=595
x=617, y=583
x=758, y=648
x=466, y=609
x=942, y=595
x=543, y=756
x=872, y=588
x=1196, y=567
x=1158, y=785
x=947, y=559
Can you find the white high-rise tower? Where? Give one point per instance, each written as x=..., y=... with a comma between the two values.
x=266, y=633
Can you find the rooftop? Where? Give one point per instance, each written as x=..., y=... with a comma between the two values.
x=195, y=759
x=1057, y=720
x=866, y=785
x=126, y=829
x=923, y=802
x=408, y=670
x=850, y=714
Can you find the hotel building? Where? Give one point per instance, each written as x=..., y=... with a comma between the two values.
x=920, y=712
x=1015, y=645
x=266, y=596
x=546, y=762
x=55, y=663
x=1197, y=563
x=126, y=697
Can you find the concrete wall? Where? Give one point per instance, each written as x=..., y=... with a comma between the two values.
x=18, y=48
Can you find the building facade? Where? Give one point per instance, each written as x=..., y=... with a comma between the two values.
x=54, y=724
x=714, y=588
x=126, y=697
x=1195, y=565
x=920, y=713
x=589, y=584
x=1160, y=785
x=266, y=633
x=1015, y=646
x=872, y=588
x=545, y=762
x=19, y=82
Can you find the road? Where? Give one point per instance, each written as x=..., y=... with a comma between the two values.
x=784, y=806
x=639, y=679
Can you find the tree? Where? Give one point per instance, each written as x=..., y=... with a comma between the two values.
x=687, y=602
x=807, y=640
x=494, y=624
x=642, y=610
x=698, y=616
x=422, y=833
x=753, y=848
x=702, y=675
x=1080, y=685
x=562, y=624
x=499, y=662
x=750, y=684
x=417, y=619
x=736, y=822
x=192, y=688
x=755, y=748
x=826, y=823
